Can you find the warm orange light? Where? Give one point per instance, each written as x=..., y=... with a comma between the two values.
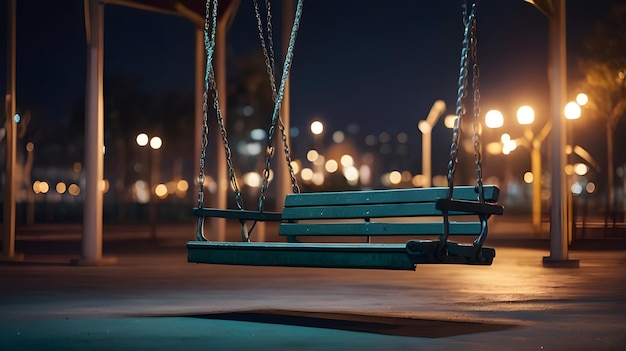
x=494, y=119
x=142, y=139
x=156, y=143
x=525, y=115
x=317, y=127
x=572, y=110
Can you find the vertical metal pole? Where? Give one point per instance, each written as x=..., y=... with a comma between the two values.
x=569, y=197
x=426, y=158
x=218, y=225
x=155, y=160
x=558, y=221
x=426, y=128
x=8, y=228
x=94, y=140
x=535, y=158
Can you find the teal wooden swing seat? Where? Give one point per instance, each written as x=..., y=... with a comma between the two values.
x=313, y=223
x=327, y=215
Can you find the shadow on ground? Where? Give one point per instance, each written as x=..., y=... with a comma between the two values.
x=385, y=325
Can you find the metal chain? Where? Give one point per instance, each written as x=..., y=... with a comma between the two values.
x=476, y=125
x=269, y=58
x=210, y=84
x=461, y=95
x=468, y=53
x=229, y=160
x=209, y=46
x=269, y=150
x=292, y=173
x=270, y=67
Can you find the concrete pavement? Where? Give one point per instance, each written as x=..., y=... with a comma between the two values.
x=153, y=299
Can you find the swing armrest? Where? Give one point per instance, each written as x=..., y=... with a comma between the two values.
x=484, y=208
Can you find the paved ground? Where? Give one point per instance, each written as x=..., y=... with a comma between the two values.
x=153, y=299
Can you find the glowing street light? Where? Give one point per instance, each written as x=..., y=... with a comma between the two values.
x=142, y=139
x=582, y=99
x=494, y=119
x=317, y=127
x=155, y=143
x=525, y=117
x=448, y=121
x=572, y=110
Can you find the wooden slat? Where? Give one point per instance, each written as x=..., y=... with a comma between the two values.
x=360, y=211
x=369, y=256
x=238, y=214
x=387, y=196
x=423, y=209
x=365, y=256
x=377, y=229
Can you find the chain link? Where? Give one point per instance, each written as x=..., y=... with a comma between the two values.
x=210, y=23
x=468, y=54
x=209, y=46
x=204, y=144
x=461, y=95
x=292, y=173
x=270, y=67
x=211, y=84
x=476, y=125
x=269, y=58
x=269, y=150
x=227, y=150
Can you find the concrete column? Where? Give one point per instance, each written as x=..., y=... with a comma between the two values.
x=94, y=140
x=8, y=227
x=558, y=97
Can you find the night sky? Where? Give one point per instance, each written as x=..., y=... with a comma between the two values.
x=380, y=64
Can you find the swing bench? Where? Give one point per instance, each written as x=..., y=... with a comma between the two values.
x=323, y=215
x=309, y=220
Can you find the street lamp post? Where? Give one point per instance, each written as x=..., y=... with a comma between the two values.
x=525, y=117
x=571, y=111
x=555, y=11
x=533, y=142
x=155, y=144
x=426, y=127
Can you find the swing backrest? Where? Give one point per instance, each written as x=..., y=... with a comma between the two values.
x=372, y=213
